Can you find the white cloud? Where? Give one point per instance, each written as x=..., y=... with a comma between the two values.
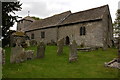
x=45, y=8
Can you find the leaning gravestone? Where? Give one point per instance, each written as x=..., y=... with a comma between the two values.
x=17, y=55
x=41, y=50
x=73, y=52
x=60, y=45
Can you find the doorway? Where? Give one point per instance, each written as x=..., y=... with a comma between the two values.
x=67, y=40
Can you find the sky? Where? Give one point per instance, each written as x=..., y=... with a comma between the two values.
x=46, y=8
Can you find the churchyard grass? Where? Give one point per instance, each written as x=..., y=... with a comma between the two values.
x=89, y=65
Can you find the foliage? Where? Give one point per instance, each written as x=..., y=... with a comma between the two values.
x=8, y=20
x=116, y=24
x=36, y=18
x=89, y=65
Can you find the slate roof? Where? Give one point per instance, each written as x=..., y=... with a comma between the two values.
x=28, y=18
x=68, y=18
x=50, y=21
x=87, y=15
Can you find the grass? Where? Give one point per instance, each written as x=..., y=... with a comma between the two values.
x=89, y=65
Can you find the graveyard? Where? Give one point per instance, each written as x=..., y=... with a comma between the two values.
x=89, y=64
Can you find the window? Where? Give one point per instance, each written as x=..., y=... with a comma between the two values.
x=42, y=34
x=81, y=28
x=82, y=31
x=32, y=36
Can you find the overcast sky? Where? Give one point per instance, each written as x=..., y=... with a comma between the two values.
x=46, y=8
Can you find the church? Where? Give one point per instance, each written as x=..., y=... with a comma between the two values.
x=91, y=28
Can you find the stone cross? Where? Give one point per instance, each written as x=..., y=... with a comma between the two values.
x=60, y=45
x=73, y=56
x=41, y=50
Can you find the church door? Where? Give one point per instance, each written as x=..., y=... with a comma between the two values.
x=67, y=40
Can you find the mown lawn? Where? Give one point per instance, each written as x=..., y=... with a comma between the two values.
x=89, y=65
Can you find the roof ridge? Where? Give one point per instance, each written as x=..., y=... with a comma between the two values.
x=63, y=18
x=91, y=9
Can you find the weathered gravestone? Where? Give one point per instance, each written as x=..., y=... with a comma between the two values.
x=41, y=50
x=28, y=42
x=73, y=56
x=2, y=56
x=60, y=45
x=33, y=42
x=17, y=55
x=29, y=54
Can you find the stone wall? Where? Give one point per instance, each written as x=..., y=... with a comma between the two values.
x=107, y=29
x=93, y=35
x=23, y=24
x=50, y=35
x=98, y=33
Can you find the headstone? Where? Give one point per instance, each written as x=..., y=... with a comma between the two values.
x=41, y=50
x=18, y=42
x=17, y=55
x=73, y=56
x=28, y=42
x=29, y=54
x=33, y=42
x=60, y=45
x=2, y=56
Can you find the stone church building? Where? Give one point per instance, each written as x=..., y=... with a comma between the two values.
x=91, y=28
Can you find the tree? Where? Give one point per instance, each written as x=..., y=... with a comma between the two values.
x=8, y=20
x=36, y=18
x=116, y=24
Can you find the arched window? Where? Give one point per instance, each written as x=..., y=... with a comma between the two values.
x=43, y=34
x=82, y=31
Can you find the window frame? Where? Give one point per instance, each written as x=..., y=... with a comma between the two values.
x=42, y=34
x=32, y=36
x=82, y=31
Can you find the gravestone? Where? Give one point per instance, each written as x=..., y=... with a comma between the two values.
x=60, y=45
x=33, y=42
x=28, y=42
x=17, y=55
x=2, y=56
x=73, y=56
x=29, y=54
x=41, y=50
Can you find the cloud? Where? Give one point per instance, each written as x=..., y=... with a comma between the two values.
x=36, y=9
x=119, y=5
x=46, y=8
